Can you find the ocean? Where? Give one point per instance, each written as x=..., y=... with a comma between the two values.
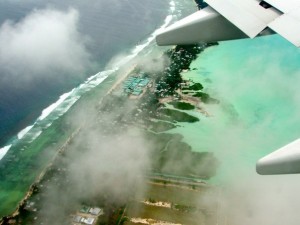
x=40, y=84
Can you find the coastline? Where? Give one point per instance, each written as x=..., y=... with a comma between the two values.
x=64, y=146
x=31, y=189
x=40, y=138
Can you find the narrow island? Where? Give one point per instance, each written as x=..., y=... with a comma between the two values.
x=152, y=103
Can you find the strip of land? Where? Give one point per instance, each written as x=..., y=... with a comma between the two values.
x=149, y=113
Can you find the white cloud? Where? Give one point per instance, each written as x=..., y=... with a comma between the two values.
x=43, y=42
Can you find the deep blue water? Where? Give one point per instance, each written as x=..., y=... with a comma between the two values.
x=110, y=26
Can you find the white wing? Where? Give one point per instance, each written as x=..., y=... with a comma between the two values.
x=285, y=160
x=235, y=19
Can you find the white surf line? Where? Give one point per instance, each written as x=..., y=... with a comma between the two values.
x=23, y=132
x=60, y=107
x=46, y=112
x=4, y=150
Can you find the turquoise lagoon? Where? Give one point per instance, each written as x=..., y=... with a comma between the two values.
x=257, y=82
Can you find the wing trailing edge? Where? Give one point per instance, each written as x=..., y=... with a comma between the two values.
x=205, y=25
x=242, y=16
x=284, y=6
x=288, y=26
x=234, y=19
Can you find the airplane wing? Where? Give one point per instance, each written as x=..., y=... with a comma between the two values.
x=235, y=19
x=285, y=160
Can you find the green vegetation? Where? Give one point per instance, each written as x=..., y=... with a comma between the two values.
x=182, y=105
x=170, y=155
x=176, y=116
x=194, y=87
x=17, y=177
x=118, y=216
x=180, y=59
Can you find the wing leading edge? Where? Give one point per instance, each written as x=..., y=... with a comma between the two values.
x=235, y=19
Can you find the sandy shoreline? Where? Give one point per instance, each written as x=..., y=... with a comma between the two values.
x=121, y=79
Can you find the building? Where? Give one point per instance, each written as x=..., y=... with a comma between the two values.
x=88, y=220
x=134, y=85
x=96, y=211
x=84, y=220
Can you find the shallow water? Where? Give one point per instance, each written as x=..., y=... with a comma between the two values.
x=257, y=83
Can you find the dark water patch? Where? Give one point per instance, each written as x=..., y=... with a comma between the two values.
x=194, y=87
x=182, y=105
x=20, y=166
x=176, y=116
